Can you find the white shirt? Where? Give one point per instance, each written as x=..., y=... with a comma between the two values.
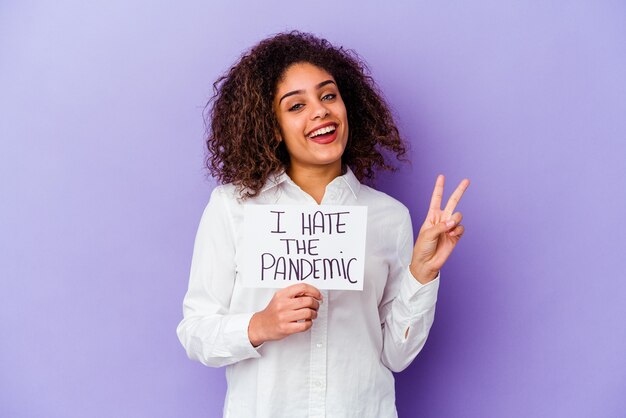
x=342, y=366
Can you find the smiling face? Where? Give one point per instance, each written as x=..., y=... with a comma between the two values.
x=312, y=117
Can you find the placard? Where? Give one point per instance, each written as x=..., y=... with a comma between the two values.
x=288, y=244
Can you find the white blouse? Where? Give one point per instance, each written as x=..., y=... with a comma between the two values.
x=342, y=366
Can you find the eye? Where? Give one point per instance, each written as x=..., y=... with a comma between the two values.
x=297, y=106
x=329, y=96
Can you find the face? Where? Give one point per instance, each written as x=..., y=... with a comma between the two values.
x=312, y=117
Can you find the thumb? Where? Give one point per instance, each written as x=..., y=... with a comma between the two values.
x=440, y=228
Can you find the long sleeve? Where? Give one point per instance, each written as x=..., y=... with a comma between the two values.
x=407, y=310
x=209, y=332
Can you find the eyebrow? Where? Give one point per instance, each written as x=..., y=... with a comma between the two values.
x=319, y=86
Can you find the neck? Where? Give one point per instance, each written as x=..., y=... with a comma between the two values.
x=314, y=179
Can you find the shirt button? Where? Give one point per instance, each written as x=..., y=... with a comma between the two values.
x=317, y=384
x=318, y=345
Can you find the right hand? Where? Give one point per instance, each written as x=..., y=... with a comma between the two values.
x=298, y=302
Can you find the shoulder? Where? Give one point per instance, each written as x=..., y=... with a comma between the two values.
x=230, y=195
x=226, y=192
x=229, y=199
x=223, y=201
x=389, y=220
x=381, y=201
x=236, y=194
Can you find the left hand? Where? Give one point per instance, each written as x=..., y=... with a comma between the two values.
x=437, y=238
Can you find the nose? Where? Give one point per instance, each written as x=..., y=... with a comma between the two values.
x=319, y=110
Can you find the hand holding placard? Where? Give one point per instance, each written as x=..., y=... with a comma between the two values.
x=291, y=310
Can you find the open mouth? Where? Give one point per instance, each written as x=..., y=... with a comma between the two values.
x=325, y=134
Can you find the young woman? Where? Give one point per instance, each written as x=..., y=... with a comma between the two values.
x=298, y=121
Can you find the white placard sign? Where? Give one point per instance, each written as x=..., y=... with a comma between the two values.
x=288, y=244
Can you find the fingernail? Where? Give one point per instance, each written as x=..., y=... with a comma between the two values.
x=450, y=223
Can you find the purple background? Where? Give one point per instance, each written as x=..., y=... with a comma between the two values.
x=102, y=188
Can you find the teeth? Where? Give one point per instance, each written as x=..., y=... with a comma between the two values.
x=322, y=131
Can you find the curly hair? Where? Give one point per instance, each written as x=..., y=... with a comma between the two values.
x=241, y=124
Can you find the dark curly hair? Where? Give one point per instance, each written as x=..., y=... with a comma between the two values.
x=241, y=124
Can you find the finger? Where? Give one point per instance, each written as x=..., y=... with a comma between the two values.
x=302, y=289
x=433, y=233
x=457, y=232
x=293, y=327
x=435, y=200
x=300, y=315
x=304, y=302
x=457, y=217
x=455, y=198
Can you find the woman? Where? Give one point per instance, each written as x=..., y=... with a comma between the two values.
x=298, y=121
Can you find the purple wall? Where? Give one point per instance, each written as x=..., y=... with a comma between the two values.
x=102, y=188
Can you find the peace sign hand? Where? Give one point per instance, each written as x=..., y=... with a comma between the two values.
x=439, y=234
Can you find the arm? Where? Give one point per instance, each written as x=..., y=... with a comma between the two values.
x=407, y=310
x=209, y=333
x=408, y=307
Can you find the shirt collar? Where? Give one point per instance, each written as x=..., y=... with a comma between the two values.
x=348, y=180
